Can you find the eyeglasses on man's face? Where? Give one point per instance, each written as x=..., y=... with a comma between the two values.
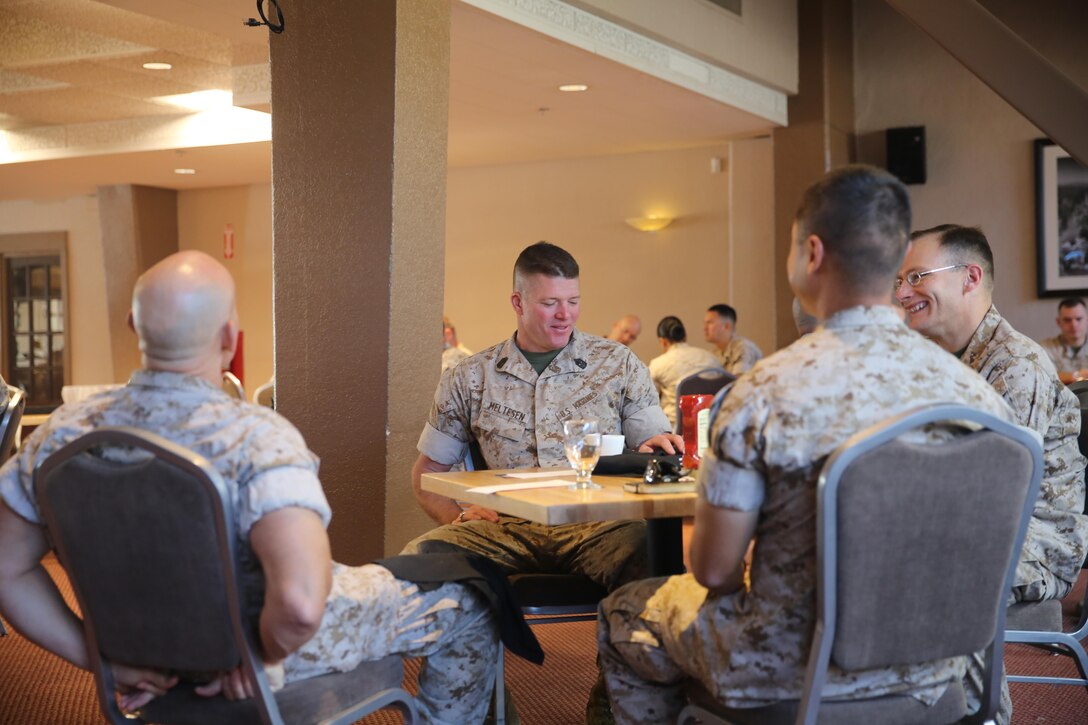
x=915, y=278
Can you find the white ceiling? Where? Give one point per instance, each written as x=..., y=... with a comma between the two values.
x=69, y=64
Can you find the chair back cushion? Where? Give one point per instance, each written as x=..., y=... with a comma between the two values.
x=144, y=544
x=708, y=381
x=925, y=536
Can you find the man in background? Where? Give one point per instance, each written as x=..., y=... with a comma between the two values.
x=946, y=287
x=313, y=616
x=758, y=478
x=1067, y=350
x=626, y=330
x=453, y=351
x=737, y=354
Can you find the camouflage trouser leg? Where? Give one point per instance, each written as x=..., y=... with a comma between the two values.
x=972, y=685
x=1042, y=584
x=369, y=617
x=645, y=683
x=610, y=553
x=461, y=646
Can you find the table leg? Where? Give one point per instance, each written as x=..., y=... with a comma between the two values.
x=665, y=546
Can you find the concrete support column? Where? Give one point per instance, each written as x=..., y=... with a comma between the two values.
x=139, y=228
x=821, y=128
x=359, y=119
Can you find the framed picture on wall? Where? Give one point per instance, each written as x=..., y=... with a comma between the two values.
x=1061, y=221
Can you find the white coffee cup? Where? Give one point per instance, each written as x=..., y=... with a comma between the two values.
x=611, y=445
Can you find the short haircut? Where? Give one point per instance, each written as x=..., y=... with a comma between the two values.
x=672, y=329
x=862, y=216
x=724, y=311
x=965, y=245
x=547, y=259
x=1071, y=302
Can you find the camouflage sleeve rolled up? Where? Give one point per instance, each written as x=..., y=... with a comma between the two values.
x=730, y=474
x=446, y=434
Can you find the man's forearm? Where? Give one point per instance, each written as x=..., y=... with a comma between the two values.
x=440, y=508
x=35, y=608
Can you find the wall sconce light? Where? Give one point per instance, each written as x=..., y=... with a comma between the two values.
x=649, y=223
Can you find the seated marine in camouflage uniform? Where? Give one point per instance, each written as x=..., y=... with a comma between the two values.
x=315, y=616
x=736, y=353
x=1068, y=350
x=512, y=400
x=769, y=441
x=951, y=303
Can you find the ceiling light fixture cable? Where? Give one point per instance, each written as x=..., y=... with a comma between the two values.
x=276, y=27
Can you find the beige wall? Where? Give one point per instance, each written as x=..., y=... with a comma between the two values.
x=753, y=272
x=761, y=44
x=202, y=216
x=493, y=212
x=979, y=150
x=78, y=217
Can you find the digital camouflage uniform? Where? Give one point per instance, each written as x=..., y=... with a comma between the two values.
x=496, y=398
x=769, y=441
x=369, y=614
x=1065, y=358
x=672, y=366
x=453, y=355
x=1022, y=374
x=739, y=355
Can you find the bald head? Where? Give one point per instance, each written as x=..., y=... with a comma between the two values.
x=183, y=312
x=626, y=329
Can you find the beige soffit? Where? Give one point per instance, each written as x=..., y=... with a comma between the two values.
x=596, y=35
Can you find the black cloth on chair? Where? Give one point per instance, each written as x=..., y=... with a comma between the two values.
x=428, y=571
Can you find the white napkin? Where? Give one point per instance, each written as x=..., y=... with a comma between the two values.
x=499, y=488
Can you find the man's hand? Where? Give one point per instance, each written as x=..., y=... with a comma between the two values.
x=476, y=513
x=233, y=685
x=139, y=686
x=668, y=442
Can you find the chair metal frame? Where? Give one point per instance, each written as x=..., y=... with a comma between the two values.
x=266, y=394
x=217, y=493
x=827, y=551
x=1062, y=642
x=9, y=425
x=232, y=386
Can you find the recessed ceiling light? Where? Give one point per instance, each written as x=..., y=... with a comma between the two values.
x=185, y=171
x=158, y=66
x=574, y=88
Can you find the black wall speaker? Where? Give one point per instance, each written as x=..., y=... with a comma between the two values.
x=907, y=153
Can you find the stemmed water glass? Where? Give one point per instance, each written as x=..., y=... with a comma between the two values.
x=582, y=444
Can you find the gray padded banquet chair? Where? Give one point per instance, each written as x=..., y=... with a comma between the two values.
x=9, y=424
x=890, y=511
x=707, y=381
x=1040, y=623
x=148, y=545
